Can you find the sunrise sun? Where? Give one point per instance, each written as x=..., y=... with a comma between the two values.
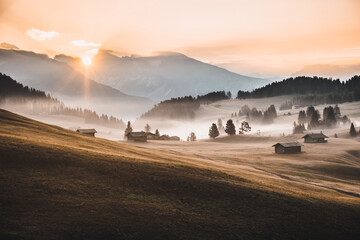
x=86, y=60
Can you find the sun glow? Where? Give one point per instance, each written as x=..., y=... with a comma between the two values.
x=86, y=60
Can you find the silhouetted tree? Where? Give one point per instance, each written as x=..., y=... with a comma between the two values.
x=302, y=117
x=192, y=137
x=128, y=129
x=220, y=124
x=309, y=112
x=245, y=127
x=147, y=128
x=353, y=132
x=213, y=131
x=157, y=134
x=230, y=127
x=337, y=112
x=329, y=118
x=314, y=121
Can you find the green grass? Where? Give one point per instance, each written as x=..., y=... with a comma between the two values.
x=56, y=184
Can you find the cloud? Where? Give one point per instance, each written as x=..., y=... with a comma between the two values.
x=82, y=43
x=41, y=35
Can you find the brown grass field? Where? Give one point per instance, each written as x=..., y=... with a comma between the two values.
x=57, y=184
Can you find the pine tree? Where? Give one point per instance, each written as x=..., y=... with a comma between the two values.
x=245, y=127
x=221, y=127
x=147, y=128
x=314, y=121
x=128, y=129
x=157, y=134
x=302, y=117
x=309, y=112
x=230, y=127
x=353, y=132
x=192, y=137
x=213, y=131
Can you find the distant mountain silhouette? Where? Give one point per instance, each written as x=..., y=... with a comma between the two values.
x=343, y=72
x=62, y=81
x=164, y=75
x=5, y=45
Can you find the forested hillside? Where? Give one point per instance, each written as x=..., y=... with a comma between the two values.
x=183, y=107
x=15, y=96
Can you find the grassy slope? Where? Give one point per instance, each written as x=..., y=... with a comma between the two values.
x=56, y=184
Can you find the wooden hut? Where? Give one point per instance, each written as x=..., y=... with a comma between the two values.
x=315, y=138
x=288, y=147
x=137, y=136
x=90, y=132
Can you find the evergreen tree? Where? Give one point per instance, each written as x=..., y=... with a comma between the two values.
x=302, y=117
x=353, y=132
x=147, y=128
x=213, y=131
x=245, y=127
x=272, y=111
x=220, y=124
x=128, y=129
x=309, y=112
x=192, y=137
x=157, y=134
x=314, y=121
x=329, y=117
x=337, y=112
x=230, y=127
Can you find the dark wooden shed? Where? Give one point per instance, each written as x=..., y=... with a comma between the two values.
x=90, y=132
x=288, y=147
x=315, y=138
x=137, y=136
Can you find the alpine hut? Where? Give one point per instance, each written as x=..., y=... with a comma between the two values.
x=315, y=138
x=288, y=147
x=137, y=136
x=90, y=132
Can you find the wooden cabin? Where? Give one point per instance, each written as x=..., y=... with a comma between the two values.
x=90, y=132
x=315, y=138
x=137, y=136
x=288, y=147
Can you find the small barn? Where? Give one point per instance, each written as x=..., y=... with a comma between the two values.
x=288, y=147
x=315, y=138
x=137, y=136
x=90, y=132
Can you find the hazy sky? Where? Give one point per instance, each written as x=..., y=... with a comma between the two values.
x=278, y=35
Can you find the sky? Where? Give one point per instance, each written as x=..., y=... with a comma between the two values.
x=256, y=37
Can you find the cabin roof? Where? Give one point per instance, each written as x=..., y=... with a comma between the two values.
x=288, y=144
x=91, y=130
x=137, y=134
x=315, y=135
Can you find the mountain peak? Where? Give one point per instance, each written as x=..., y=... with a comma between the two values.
x=8, y=46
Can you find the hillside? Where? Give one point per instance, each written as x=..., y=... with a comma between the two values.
x=57, y=184
x=325, y=90
x=16, y=97
x=164, y=75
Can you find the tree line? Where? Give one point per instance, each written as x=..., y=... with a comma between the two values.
x=35, y=101
x=183, y=107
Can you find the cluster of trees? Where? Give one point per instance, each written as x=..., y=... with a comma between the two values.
x=11, y=88
x=303, y=86
x=229, y=129
x=254, y=115
x=331, y=117
x=33, y=101
x=183, y=107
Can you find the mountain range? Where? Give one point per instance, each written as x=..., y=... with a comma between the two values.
x=162, y=76
x=70, y=86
